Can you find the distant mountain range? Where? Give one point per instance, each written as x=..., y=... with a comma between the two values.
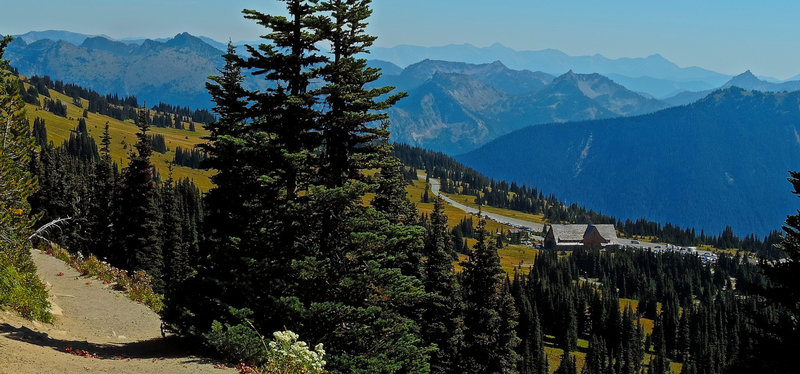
x=746, y=80
x=173, y=71
x=653, y=75
x=456, y=107
x=720, y=161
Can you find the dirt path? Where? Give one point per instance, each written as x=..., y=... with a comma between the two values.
x=125, y=335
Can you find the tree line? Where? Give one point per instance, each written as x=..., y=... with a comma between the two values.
x=308, y=228
x=114, y=106
x=457, y=178
x=128, y=217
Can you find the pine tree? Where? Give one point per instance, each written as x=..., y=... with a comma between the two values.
x=348, y=140
x=568, y=365
x=39, y=132
x=231, y=209
x=442, y=320
x=486, y=347
x=784, y=274
x=597, y=357
x=659, y=364
x=174, y=249
x=292, y=244
x=102, y=210
x=138, y=218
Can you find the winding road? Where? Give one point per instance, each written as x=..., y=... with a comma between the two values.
x=516, y=222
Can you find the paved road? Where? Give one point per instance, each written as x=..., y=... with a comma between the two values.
x=533, y=226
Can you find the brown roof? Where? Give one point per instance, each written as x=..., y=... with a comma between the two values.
x=574, y=234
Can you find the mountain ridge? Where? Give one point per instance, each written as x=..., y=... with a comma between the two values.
x=694, y=165
x=441, y=114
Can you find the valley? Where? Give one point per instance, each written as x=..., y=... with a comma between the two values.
x=320, y=197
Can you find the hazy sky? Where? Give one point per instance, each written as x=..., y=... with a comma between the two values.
x=728, y=36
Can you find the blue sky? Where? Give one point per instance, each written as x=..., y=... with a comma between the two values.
x=728, y=36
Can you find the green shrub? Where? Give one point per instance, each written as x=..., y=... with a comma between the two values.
x=238, y=343
x=24, y=293
x=139, y=287
x=243, y=344
x=288, y=355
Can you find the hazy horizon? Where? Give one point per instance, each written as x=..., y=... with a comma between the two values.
x=728, y=37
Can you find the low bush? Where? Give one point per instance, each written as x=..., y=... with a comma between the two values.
x=284, y=354
x=24, y=293
x=20, y=288
x=138, y=287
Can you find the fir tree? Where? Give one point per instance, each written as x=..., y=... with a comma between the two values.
x=102, y=210
x=568, y=365
x=442, y=320
x=659, y=364
x=175, y=251
x=288, y=240
x=486, y=347
x=138, y=219
x=39, y=131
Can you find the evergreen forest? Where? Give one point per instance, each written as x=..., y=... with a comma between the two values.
x=308, y=228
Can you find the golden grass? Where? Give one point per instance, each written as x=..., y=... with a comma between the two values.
x=454, y=215
x=554, y=358
x=470, y=202
x=624, y=303
x=647, y=325
x=513, y=256
x=123, y=137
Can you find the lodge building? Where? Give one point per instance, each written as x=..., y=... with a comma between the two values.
x=569, y=237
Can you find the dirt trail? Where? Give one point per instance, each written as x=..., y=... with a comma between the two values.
x=125, y=335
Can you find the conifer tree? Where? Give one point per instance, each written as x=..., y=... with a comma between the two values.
x=531, y=348
x=138, y=219
x=348, y=140
x=390, y=200
x=442, y=320
x=101, y=210
x=299, y=249
x=659, y=364
x=486, y=347
x=173, y=248
x=231, y=232
x=784, y=274
x=597, y=357
x=39, y=132
x=568, y=365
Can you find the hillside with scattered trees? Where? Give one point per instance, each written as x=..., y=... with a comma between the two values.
x=306, y=232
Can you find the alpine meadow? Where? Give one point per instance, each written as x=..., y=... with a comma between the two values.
x=354, y=188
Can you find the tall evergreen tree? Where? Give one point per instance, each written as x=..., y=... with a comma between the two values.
x=39, y=132
x=442, y=319
x=101, y=210
x=348, y=139
x=299, y=248
x=486, y=347
x=659, y=364
x=138, y=219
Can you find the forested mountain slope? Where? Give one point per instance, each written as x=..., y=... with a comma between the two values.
x=455, y=107
x=721, y=161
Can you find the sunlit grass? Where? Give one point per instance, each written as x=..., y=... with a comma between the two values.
x=123, y=137
x=470, y=202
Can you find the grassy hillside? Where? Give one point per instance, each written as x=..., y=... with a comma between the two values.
x=123, y=137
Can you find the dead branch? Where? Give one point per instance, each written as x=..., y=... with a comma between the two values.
x=46, y=227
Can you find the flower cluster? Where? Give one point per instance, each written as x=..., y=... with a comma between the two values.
x=286, y=352
x=138, y=287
